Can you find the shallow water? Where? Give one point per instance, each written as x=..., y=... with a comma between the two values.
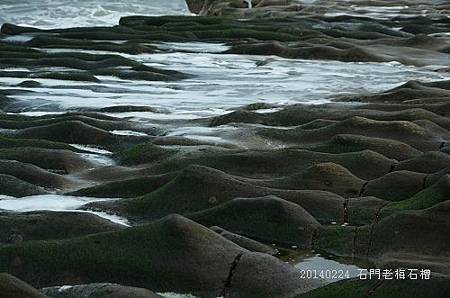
x=98, y=160
x=223, y=82
x=323, y=268
x=219, y=84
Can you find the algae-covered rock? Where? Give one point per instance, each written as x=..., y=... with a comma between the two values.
x=426, y=198
x=29, y=84
x=144, y=153
x=127, y=109
x=199, y=188
x=245, y=242
x=404, y=131
x=429, y=162
x=46, y=225
x=435, y=288
x=11, y=287
x=395, y=186
x=433, y=178
x=409, y=91
x=276, y=163
x=87, y=119
x=411, y=239
x=128, y=188
x=323, y=176
x=37, y=143
x=342, y=240
x=33, y=174
x=363, y=210
x=75, y=132
x=56, y=160
x=267, y=267
x=300, y=115
x=269, y=219
x=66, y=43
x=350, y=143
x=170, y=255
x=12, y=186
x=419, y=232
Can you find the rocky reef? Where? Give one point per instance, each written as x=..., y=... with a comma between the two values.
x=98, y=202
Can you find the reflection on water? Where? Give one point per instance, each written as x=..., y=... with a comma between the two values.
x=326, y=268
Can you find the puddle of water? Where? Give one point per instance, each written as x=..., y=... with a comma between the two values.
x=326, y=268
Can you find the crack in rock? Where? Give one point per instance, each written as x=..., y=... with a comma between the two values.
x=355, y=234
x=392, y=169
x=313, y=239
x=363, y=188
x=227, y=285
x=424, y=181
x=372, y=228
x=346, y=215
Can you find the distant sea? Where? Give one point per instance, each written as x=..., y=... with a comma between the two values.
x=71, y=13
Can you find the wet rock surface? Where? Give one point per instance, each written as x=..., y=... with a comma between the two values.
x=363, y=174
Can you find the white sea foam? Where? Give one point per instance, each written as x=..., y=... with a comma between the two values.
x=198, y=47
x=39, y=113
x=53, y=202
x=111, y=217
x=129, y=133
x=223, y=82
x=17, y=38
x=70, y=13
x=92, y=149
x=98, y=159
x=44, y=202
x=207, y=134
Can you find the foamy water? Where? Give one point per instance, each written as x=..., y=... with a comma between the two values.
x=222, y=82
x=219, y=84
x=55, y=203
x=71, y=13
